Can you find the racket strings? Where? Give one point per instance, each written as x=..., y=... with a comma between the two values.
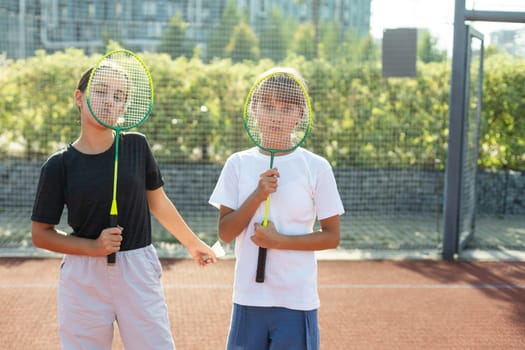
x=120, y=93
x=277, y=116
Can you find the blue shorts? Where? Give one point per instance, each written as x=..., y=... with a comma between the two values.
x=275, y=328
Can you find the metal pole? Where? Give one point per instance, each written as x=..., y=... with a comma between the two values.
x=495, y=16
x=452, y=200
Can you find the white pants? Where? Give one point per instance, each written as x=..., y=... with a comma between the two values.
x=92, y=295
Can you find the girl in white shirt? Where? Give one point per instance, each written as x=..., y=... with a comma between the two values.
x=280, y=313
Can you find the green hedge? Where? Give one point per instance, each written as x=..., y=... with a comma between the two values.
x=360, y=119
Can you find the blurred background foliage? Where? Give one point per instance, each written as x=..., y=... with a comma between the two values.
x=360, y=118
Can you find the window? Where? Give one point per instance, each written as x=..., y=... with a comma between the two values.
x=149, y=8
x=118, y=9
x=91, y=10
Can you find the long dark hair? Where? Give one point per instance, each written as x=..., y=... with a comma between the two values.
x=84, y=79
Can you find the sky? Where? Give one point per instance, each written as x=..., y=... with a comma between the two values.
x=437, y=16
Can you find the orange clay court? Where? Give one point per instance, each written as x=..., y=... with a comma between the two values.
x=367, y=304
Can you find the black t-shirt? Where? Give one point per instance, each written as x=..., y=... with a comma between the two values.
x=84, y=183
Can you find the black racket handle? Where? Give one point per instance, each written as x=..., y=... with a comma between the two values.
x=113, y=222
x=261, y=265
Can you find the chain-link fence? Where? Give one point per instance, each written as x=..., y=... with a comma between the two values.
x=385, y=138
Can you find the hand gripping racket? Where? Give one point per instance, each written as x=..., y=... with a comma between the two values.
x=277, y=117
x=120, y=97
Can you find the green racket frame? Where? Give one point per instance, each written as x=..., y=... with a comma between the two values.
x=261, y=259
x=113, y=215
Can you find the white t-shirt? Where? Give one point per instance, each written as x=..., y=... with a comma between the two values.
x=306, y=190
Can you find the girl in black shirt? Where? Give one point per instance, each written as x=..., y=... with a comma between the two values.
x=91, y=293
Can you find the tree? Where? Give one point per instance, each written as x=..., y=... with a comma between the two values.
x=273, y=40
x=368, y=50
x=316, y=13
x=220, y=37
x=303, y=41
x=330, y=40
x=427, y=49
x=174, y=41
x=243, y=44
x=348, y=49
x=111, y=34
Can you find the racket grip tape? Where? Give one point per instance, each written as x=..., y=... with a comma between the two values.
x=261, y=265
x=113, y=222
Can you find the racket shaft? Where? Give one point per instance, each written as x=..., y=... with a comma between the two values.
x=113, y=212
x=277, y=117
x=113, y=222
x=119, y=97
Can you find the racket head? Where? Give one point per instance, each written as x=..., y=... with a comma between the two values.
x=120, y=90
x=277, y=111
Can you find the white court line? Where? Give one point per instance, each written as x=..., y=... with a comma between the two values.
x=322, y=286
x=422, y=286
x=27, y=285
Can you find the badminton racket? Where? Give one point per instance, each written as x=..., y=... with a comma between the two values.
x=277, y=118
x=120, y=97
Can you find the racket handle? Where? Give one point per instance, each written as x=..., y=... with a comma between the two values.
x=113, y=222
x=112, y=258
x=261, y=265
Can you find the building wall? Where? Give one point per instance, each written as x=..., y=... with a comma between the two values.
x=57, y=24
x=512, y=41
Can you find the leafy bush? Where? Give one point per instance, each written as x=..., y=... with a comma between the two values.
x=360, y=119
